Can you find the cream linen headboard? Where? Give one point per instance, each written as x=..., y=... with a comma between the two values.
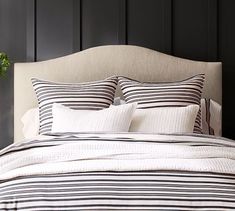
x=97, y=63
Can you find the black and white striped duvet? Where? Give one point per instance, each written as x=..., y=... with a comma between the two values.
x=119, y=172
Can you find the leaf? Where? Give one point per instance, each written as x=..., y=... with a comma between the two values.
x=4, y=63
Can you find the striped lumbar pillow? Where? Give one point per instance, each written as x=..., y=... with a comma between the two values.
x=172, y=94
x=84, y=96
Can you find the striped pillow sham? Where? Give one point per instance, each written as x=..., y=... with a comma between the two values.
x=171, y=94
x=211, y=117
x=83, y=96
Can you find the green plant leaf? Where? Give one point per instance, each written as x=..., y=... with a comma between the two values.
x=4, y=63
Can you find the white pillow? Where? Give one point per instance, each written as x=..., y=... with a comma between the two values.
x=30, y=122
x=165, y=120
x=112, y=119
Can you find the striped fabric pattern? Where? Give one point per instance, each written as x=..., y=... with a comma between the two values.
x=211, y=117
x=146, y=190
x=119, y=190
x=83, y=96
x=205, y=105
x=171, y=94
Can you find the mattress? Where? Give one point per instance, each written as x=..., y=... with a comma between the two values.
x=125, y=171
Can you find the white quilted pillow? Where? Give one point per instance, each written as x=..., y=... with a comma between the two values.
x=165, y=120
x=112, y=119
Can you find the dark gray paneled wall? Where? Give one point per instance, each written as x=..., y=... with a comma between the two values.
x=195, y=29
x=54, y=23
x=149, y=24
x=226, y=52
x=99, y=23
x=35, y=30
x=12, y=41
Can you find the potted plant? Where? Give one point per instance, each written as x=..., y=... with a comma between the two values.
x=4, y=64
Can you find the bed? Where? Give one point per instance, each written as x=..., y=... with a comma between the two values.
x=116, y=170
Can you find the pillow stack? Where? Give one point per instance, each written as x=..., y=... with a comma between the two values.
x=81, y=96
x=158, y=95
x=149, y=107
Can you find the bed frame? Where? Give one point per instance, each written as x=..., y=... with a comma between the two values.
x=100, y=62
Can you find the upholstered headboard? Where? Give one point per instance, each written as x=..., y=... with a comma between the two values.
x=97, y=63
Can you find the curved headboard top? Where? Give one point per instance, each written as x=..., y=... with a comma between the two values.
x=100, y=62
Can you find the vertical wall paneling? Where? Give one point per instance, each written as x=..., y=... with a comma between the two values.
x=227, y=56
x=13, y=42
x=191, y=29
x=195, y=29
x=54, y=28
x=212, y=35
x=77, y=39
x=149, y=24
x=31, y=31
x=167, y=26
x=100, y=22
x=122, y=30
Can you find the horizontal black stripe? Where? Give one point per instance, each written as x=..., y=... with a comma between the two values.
x=107, y=190
x=125, y=205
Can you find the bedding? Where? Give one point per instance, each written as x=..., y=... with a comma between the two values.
x=167, y=94
x=94, y=95
x=211, y=117
x=164, y=120
x=112, y=119
x=30, y=120
x=119, y=171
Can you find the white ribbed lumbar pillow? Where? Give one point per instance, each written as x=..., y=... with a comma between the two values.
x=165, y=120
x=112, y=119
